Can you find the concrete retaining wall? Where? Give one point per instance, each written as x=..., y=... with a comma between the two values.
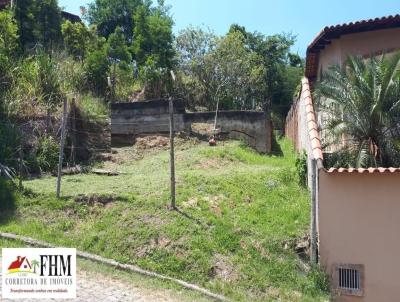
x=129, y=120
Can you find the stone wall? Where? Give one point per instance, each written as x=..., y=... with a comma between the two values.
x=129, y=120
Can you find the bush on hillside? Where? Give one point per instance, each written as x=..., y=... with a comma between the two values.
x=97, y=68
x=301, y=167
x=7, y=197
x=9, y=143
x=47, y=154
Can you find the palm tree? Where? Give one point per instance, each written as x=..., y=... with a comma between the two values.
x=35, y=264
x=362, y=102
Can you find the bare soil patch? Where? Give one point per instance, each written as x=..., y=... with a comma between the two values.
x=212, y=163
x=223, y=269
x=152, y=142
x=95, y=199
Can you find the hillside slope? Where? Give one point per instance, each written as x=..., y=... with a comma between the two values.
x=240, y=215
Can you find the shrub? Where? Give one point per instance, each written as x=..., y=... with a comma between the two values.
x=154, y=78
x=47, y=154
x=22, y=94
x=126, y=84
x=301, y=167
x=92, y=107
x=319, y=282
x=48, y=81
x=73, y=77
x=97, y=68
x=76, y=37
x=7, y=197
x=9, y=143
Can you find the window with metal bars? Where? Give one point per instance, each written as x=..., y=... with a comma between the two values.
x=349, y=279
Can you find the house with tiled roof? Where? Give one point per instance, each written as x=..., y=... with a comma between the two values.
x=334, y=44
x=355, y=213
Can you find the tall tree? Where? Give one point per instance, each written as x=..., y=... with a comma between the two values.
x=48, y=30
x=8, y=36
x=270, y=73
x=221, y=70
x=97, y=68
x=153, y=47
x=76, y=38
x=25, y=12
x=38, y=22
x=109, y=14
x=116, y=47
x=282, y=69
x=235, y=74
x=142, y=34
x=160, y=23
x=192, y=45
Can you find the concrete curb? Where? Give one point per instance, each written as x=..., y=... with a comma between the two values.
x=111, y=262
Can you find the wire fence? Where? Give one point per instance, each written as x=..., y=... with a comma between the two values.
x=87, y=134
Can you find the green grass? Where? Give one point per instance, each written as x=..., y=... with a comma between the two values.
x=239, y=208
x=94, y=108
x=133, y=279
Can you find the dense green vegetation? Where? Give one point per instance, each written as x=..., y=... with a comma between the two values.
x=242, y=70
x=125, y=52
x=241, y=213
x=240, y=216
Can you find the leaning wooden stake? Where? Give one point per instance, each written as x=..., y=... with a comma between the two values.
x=60, y=157
x=73, y=129
x=172, y=156
x=314, y=256
x=20, y=163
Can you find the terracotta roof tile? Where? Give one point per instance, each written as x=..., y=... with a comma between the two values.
x=330, y=33
x=362, y=170
x=316, y=141
x=311, y=121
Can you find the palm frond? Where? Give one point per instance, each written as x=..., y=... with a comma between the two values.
x=6, y=172
x=362, y=101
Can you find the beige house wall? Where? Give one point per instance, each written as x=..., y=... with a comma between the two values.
x=364, y=44
x=359, y=223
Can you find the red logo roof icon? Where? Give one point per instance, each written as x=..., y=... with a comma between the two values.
x=20, y=263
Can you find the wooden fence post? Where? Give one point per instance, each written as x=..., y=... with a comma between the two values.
x=172, y=156
x=73, y=129
x=314, y=256
x=60, y=157
x=20, y=168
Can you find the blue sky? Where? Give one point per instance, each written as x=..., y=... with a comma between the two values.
x=304, y=18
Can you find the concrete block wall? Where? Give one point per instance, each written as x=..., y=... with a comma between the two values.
x=129, y=120
x=254, y=127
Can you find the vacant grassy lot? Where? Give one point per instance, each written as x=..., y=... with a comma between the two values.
x=237, y=211
x=160, y=287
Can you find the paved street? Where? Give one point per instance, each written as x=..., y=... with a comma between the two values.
x=95, y=287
